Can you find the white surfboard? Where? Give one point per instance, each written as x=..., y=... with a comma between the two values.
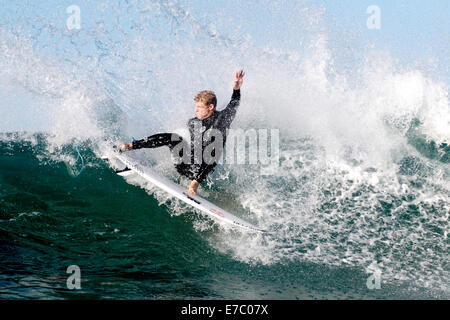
x=181, y=193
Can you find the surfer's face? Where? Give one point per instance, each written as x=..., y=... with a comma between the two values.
x=203, y=111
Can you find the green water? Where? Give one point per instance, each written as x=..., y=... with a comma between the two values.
x=127, y=246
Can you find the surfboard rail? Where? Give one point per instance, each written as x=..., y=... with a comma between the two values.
x=181, y=193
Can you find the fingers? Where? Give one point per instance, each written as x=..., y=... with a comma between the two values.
x=239, y=74
x=238, y=79
x=123, y=147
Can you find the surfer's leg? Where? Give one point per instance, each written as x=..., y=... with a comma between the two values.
x=186, y=170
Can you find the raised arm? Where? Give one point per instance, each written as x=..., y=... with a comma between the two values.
x=229, y=112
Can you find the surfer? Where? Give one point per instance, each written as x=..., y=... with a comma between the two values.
x=207, y=130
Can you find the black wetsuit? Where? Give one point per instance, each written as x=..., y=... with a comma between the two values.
x=203, y=134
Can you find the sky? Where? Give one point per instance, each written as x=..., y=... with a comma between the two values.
x=411, y=30
x=414, y=31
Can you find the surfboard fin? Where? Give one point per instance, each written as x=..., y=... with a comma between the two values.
x=124, y=172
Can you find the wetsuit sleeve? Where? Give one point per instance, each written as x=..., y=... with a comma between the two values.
x=139, y=144
x=158, y=140
x=229, y=112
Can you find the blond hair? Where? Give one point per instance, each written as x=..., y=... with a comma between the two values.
x=206, y=97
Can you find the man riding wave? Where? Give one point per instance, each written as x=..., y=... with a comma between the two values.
x=206, y=130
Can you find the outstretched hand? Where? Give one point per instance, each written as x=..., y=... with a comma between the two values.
x=238, y=79
x=124, y=147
